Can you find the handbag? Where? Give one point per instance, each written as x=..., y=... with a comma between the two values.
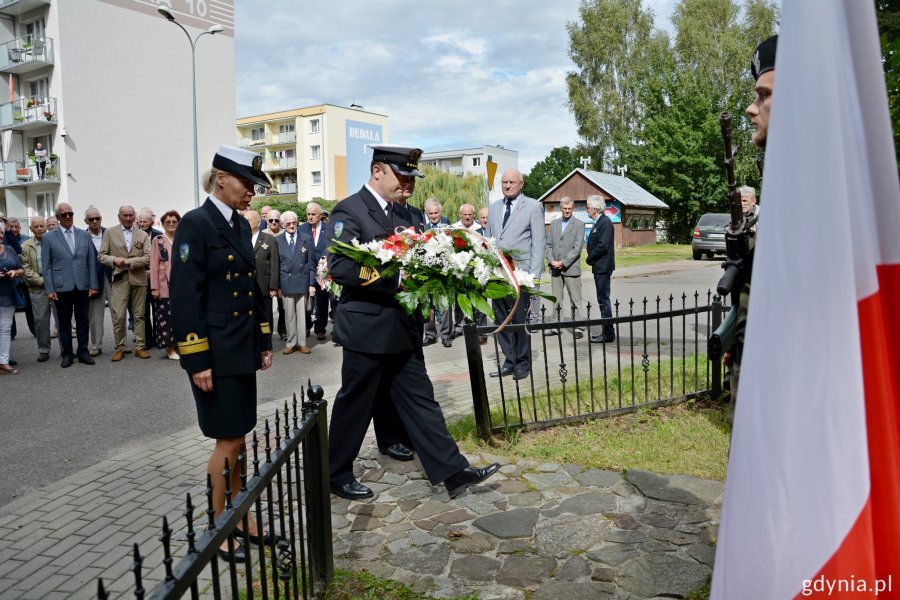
x=18, y=298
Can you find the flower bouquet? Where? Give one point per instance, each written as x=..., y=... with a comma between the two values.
x=324, y=279
x=444, y=266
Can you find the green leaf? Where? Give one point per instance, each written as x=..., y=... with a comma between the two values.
x=496, y=289
x=481, y=305
x=465, y=305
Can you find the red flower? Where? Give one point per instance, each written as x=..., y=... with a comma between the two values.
x=460, y=243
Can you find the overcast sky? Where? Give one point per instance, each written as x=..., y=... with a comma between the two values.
x=448, y=75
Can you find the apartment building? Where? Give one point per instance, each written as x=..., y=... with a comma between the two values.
x=105, y=86
x=474, y=161
x=319, y=151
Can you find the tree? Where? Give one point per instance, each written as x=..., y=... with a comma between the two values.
x=888, y=12
x=550, y=171
x=678, y=89
x=452, y=191
x=608, y=46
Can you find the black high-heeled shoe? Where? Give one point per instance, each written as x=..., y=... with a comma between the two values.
x=265, y=539
x=240, y=554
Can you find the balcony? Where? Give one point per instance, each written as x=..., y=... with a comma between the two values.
x=22, y=173
x=246, y=142
x=28, y=113
x=282, y=164
x=287, y=188
x=17, y=8
x=288, y=137
x=26, y=54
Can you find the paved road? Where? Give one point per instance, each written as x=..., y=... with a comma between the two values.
x=56, y=422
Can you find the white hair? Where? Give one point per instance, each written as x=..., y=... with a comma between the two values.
x=596, y=202
x=288, y=213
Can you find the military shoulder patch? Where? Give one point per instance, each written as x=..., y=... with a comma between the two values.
x=338, y=229
x=184, y=251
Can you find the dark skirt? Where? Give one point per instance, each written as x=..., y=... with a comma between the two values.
x=162, y=310
x=229, y=411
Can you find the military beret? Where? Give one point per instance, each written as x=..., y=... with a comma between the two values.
x=763, y=59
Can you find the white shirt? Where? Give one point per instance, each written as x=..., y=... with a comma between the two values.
x=127, y=233
x=381, y=201
x=253, y=238
x=97, y=239
x=226, y=210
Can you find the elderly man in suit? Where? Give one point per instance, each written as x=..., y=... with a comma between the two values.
x=297, y=275
x=601, y=255
x=517, y=224
x=40, y=304
x=97, y=313
x=316, y=230
x=126, y=250
x=69, y=262
x=265, y=248
x=563, y=252
x=382, y=343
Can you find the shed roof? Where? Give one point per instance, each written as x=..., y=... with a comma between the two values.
x=620, y=188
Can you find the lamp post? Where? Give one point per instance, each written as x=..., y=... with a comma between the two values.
x=214, y=29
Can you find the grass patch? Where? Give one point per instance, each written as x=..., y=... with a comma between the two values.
x=362, y=585
x=689, y=438
x=622, y=387
x=635, y=256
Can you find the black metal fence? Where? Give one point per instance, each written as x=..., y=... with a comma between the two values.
x=289, y=484
x=655, y=359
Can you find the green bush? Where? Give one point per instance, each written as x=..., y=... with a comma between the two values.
x=281, y=205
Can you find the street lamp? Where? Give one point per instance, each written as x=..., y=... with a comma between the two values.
x=214, y=29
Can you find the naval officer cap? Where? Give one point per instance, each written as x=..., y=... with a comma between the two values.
x=763, y=59
x=404, y=161
x=242, y=163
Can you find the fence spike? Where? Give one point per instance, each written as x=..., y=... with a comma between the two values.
x=210, y=513
x=255, y=445
x=101, y=591
x=242, y=465
x=189, y=517
x=287, y=422
x=277, y=430
x=166, y=537
x=645, y=305
x=139, y=590
x=226, y=473
x=268, y=432
x=296, y=423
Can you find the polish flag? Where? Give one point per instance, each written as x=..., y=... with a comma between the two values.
x=812, y=495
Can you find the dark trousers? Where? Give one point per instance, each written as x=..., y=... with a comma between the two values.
x=366, y=380
x=68, y=303
x=319, y=307
x=282, y=324
x=601, y=281
x=41, y=168
x=149, y=316
x=516, y=346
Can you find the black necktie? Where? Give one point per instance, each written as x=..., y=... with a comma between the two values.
x=234, y=221
x=508, y=209
x=389, y=211
x=291, y=242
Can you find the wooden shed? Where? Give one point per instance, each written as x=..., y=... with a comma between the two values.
x=631, y=208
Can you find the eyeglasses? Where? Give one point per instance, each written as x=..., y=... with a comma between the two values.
x=65, y=215
x=170, y=222
x=274, y=220
x=92, y=219
x=286, y=223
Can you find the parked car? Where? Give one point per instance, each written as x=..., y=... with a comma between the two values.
x=709, y=235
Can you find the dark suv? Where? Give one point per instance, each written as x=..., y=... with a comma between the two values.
x=709, y=235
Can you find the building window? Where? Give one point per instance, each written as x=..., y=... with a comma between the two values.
x=476, y=162
x=258, y=134
x=314, y=126
x=285, y=128
x=316, y=177
x=40, y=88
x=44, y=204
x=315, y=151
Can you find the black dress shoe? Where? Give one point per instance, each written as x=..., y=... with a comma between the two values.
x=502, y=372
x=86, y=360
x=460, y=482
x=521, y=375
x=240, y=555
x=43, y=357
x=578, y=335
x=447, y=344
x=267, y=539
x=397, y=451
x=66, y=362
x=603, y=339
x=428, y=342
x=352, y=491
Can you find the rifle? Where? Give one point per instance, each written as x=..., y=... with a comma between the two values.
x=738, y=235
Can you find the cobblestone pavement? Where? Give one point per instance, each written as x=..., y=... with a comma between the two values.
x=556, y=531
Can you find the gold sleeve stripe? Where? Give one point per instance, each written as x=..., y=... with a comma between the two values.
x=193, y=344
x=265, y=327
x=369, y=274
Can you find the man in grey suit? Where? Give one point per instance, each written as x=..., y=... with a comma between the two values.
x=563, y=254
x=69, y=261
x=517, y=224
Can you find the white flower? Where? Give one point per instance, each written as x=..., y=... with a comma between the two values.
x=524, y=278
x=384, y=255
x=482, y=271
x=459, y=262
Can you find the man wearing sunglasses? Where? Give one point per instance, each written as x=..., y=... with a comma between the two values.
x=69, y=263
x=96, y=313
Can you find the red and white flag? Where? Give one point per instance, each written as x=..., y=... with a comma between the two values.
x=812, y=495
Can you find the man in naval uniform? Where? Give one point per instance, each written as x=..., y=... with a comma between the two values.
x=382, y=344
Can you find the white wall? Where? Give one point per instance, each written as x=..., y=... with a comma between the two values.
x=123, y=80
